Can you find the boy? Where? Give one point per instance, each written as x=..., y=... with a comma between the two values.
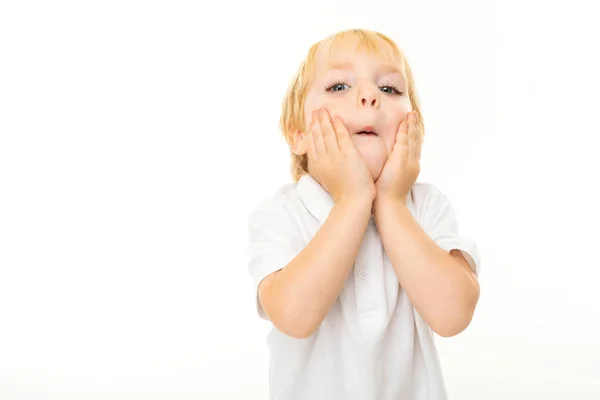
x=355, y=263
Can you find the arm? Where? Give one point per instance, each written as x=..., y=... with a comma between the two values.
x=298, y=297
x=441, y=286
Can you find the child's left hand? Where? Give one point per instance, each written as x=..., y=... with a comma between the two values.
x=403, y=163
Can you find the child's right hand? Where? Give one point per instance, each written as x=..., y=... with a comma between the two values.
x=335, y=162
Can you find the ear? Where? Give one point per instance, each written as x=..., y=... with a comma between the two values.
x=299, y=143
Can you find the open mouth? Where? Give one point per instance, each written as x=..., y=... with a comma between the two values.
x=367, y=133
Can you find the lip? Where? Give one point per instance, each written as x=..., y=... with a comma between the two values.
x=368, y=129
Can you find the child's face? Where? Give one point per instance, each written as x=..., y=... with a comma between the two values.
x=363, y=89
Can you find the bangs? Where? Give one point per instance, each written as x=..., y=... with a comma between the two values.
x=371, y=42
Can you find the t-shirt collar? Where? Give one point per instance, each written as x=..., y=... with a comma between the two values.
x=316, y=199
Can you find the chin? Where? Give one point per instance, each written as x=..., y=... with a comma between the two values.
x=376, y=167
x=375, y=160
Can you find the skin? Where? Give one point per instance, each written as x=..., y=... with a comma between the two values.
x=365, y=174
x=362, y=89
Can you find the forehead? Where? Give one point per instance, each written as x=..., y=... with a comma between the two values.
x=343, y=52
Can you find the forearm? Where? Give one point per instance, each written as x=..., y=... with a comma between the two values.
x=304, y=291
x=440, y=289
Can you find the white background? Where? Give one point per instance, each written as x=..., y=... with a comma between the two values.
x=136, y=137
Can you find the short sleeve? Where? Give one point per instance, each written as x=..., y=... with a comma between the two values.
x=274, y=240
x=441, y=225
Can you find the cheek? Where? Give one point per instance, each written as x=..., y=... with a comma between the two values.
x=334, y=106
x=314, y=105
x=398, y=114
x=391, y=132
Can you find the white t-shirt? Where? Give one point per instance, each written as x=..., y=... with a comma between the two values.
x=372, y=345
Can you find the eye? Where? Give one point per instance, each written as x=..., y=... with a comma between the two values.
x=336, y=87
x=391, y=90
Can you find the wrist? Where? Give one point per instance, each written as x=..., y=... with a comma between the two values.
x=382, y=204
x=383, y=200
x=358, y=201
x=358, y=196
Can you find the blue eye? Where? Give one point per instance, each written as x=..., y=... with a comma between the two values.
x=339, y=86
x=391, y=90
x=336, y=87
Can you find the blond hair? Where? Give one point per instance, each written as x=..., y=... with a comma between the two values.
x=292, y=113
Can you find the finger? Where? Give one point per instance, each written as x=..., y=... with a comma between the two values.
x=413, y=137
x=343, y=137
x=329, y=136
x=419, y=127
x=420, y=134
x=402, y=137
x=318, y=137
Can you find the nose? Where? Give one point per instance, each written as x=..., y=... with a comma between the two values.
x=368, y=97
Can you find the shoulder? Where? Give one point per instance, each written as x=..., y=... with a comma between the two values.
x=430, y=204
x=275, y=218
x=426, y=196
x=282, y=203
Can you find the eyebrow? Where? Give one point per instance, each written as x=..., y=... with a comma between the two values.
x=385, y=68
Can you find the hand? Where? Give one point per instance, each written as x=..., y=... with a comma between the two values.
x=403, y=163
x=334, y=161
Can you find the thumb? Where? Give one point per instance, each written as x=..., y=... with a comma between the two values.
x=402, y=135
